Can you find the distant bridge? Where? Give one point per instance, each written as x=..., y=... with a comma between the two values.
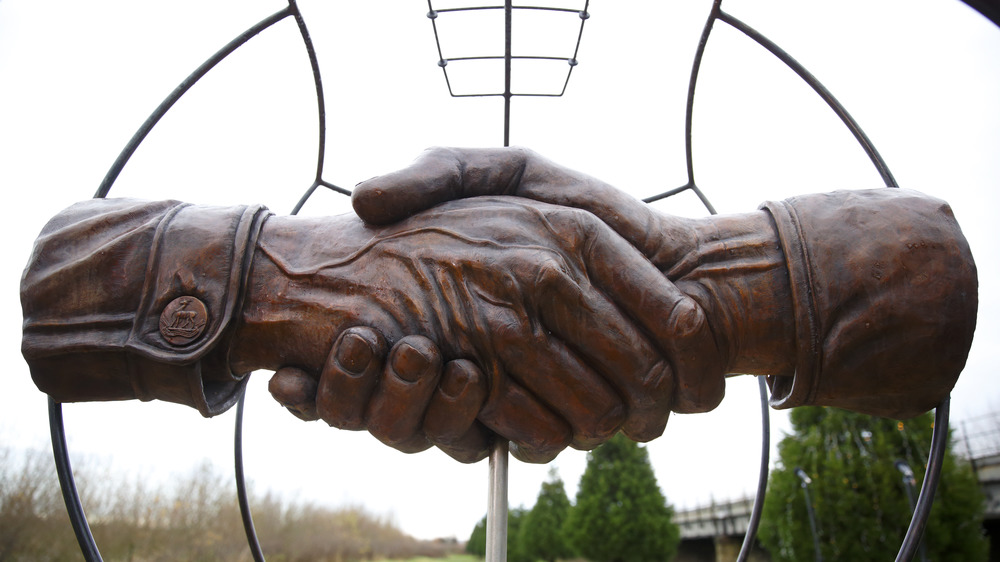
x=715, y=519
x=714, y=532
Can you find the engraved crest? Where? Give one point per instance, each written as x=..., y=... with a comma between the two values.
x=183, y=320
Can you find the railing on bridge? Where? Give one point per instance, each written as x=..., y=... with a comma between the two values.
x=727, y=519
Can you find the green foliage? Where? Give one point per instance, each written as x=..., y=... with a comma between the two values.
x=541, y=536
x=451, y=558
x=477, y=540
x=515, y=522
x=620, y=512
x=515, y=519
x=859, y=499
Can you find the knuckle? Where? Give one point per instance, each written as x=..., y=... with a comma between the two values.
x=526, y=452
x=603, y=426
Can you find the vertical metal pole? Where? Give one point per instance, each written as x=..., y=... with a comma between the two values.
x=809, y=509
x=496, y=511
x=508, y=11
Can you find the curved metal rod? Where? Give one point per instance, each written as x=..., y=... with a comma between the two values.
x=916, y=524
x=820, y=89
x=765, y=454
x=241, y=483
x=245, y=511
x=320, y=97
x=939, y=443
x=765, y=412
x=180, y=90
x=77, y=518
x=689, y=111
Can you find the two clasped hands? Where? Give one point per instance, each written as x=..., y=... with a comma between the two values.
x=490, y=293
x=550, y=318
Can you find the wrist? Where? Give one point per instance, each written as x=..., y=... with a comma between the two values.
x=299, y=295
x=737, y=272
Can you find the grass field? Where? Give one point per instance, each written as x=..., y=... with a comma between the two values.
x=452, y=558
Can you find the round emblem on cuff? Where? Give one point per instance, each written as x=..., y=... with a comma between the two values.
x=183, y=320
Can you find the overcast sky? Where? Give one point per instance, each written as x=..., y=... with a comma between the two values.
x=922, y=77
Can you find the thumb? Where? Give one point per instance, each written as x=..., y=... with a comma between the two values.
x=436, y=176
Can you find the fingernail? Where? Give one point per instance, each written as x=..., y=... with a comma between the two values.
x=410, y=363
x=354, y=354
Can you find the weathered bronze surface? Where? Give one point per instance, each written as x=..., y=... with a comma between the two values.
x=458, y=313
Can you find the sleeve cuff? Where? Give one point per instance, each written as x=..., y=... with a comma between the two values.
x=198, y=266
x=885, y=293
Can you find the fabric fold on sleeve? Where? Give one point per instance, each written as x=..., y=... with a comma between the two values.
x=885, y=293
x=124, y=298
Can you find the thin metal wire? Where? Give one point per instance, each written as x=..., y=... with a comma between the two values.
x=716, y=13
x=508, y=8
x=820, y=89
x=241, y=487
x=762, y=473
x=77, y=518
x=932, y=476
x=508, y=24
x=180, y=90
x=474, y=8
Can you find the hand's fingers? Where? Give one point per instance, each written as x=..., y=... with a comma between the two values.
x=672, y=320
x=352, y=370
x=397, y=407
x=447, y=174
x=450, y=422
x=675, y=322
x=295, y=389
x=568, y=387
x=536, y=434
x=611, y=345
x=543, y=365
x=455, y=404
x=472, y=447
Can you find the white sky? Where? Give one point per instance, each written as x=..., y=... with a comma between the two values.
x=77, y=79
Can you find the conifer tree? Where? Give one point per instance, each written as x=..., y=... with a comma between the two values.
x=859, y=499
x=541, y=535
x=620, y=513
x=515, y=518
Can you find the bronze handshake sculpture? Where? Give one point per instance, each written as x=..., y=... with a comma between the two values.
x=490, y=292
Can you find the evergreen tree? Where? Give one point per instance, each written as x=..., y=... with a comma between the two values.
x=541, y=535
x=860, y=502
x=620, y=512
x=477, y=540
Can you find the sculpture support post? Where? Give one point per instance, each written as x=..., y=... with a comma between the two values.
x=496, y=511
x=809, y=509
